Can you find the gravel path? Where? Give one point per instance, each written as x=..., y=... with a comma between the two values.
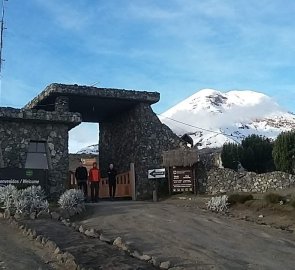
x=89, y=252
x=192, y=238
x=17, y=252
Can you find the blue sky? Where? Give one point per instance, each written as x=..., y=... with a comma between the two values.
x=175, y=47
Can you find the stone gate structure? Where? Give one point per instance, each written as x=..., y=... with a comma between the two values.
x=130, y=132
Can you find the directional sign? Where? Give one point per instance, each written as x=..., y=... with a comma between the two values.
x=156, y=173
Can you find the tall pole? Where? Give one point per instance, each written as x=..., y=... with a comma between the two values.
x=2, y=28
x=1, y=33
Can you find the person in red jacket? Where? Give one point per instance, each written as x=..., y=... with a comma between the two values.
x=94, y=179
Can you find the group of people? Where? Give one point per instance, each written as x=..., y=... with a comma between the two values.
x=93, y=178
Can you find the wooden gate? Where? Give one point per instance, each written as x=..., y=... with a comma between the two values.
x=123, y=187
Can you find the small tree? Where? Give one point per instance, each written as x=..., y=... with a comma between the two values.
x=230, y=155
x=284, y=152
x=256, y=154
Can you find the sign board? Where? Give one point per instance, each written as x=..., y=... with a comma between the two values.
x=23, y=178
x=182, y=179
x=156, y=173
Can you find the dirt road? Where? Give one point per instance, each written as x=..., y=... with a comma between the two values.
x=192, y=238
x=17, y=252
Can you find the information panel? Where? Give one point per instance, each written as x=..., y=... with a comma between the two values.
x=182, y=179
x=23, y=178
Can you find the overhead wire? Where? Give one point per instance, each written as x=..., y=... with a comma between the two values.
x=200, y=128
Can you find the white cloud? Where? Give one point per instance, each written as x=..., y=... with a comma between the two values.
x=82, y=136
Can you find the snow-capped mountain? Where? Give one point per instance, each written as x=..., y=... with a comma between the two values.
x=213, y=118
x=89, y=150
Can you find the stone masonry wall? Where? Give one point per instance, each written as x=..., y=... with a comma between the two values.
x=18, y=128
x=136, y=136
x=226, y=180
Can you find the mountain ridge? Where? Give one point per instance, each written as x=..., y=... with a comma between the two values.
x=233, y=115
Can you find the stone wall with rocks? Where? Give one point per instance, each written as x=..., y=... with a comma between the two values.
x=225, y=180
x=19, y=127
x=139, y=137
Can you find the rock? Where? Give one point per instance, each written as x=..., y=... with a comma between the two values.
x=260, y=216
x=68, y=224
x=34, y=233
x=39, y=238
x=91, y=233
x=68, y=256
x=55, y=216
x=105, y=239
x=136, y=254
x=154, y=261
x=27, y=232
x=44, y=240
x=145, y=258
x=1, y=215
x=81, y=229
x=57, y=251
x=165, y=265
x=6, y=214
x=51, y=245
x=120, y=244
x=71, y=264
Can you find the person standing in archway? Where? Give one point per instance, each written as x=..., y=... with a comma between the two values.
x=94, y=179
x=81, y=175
x=112, y=173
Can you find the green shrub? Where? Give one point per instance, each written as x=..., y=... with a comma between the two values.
x=239, y=198
x=273, y=198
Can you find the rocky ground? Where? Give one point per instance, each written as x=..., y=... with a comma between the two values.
x=18, y=252
x=193, y=238
x=255, y=211
x=176, y=233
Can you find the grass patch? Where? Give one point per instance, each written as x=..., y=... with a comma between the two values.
x=239, y=198
x=273, y=198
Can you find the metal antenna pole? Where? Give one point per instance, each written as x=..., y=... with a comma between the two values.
x=1, y=37
x=2, y=28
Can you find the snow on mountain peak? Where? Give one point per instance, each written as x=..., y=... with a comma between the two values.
x=235, y=113
x=89, y=150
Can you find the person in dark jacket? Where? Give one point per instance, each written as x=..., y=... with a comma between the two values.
x=81, y=175
x=112, y=173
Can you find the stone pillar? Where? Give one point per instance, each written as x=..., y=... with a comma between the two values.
x=62, y=104
x=135, y=136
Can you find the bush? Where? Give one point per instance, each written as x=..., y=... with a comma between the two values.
x=31, y=200
x=239, y=198
x=8, y=195
x=218, y=204
x=273, y=198
x=23, y=201
x=72, y=200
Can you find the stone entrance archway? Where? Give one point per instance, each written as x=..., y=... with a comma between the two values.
x=130, y=132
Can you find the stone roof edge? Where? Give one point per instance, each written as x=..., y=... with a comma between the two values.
x=69, y=118
x=57, y=88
